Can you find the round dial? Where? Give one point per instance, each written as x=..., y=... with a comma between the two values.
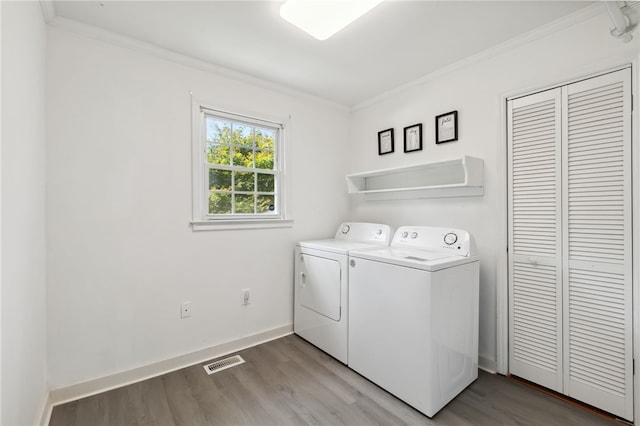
x=414, y=235
x=345, y=229
x=405, y=234
x=450, y=238
x=379, y=232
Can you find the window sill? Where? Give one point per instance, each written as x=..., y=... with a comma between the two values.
x=223, y=225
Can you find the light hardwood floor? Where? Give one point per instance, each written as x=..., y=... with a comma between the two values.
x=289, y=382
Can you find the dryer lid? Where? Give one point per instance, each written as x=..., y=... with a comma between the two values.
x=336, y=246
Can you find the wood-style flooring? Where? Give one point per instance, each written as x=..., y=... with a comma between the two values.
x=290, y=382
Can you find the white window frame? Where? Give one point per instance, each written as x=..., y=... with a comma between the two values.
x=201, y=219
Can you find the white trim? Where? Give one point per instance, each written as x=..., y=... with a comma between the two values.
x=635, y=226
x=570, y=81
x=130, y=43
x=224, y=225
x=1, y=240
x=488, y=365
x=509, y=45
x=45, y=411
x=200, y=219
x=123, y=378
x=196, y=179
x=502, y=266
x=239, y=117
x=48, y=10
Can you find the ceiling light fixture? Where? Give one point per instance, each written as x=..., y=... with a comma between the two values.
x=324, y=18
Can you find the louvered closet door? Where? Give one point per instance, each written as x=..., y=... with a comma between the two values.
x=597, y=243
x=535, y=274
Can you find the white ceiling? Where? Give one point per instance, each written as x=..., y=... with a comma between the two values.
x=394, y=44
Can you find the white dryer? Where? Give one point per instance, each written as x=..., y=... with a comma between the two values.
x=413, y=315
x=321, y=284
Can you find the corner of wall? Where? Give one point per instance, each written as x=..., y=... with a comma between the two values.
x=43, y=416
x=487, y=364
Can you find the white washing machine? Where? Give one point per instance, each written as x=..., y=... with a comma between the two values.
x=321, y=285
x=413, y=315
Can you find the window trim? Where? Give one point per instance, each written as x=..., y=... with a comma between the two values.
x=201, y=220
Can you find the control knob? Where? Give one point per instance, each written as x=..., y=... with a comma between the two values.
x=345, y=229
x=450, y=238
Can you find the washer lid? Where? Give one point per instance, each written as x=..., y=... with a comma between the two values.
x=338, y=246
x=413, y=258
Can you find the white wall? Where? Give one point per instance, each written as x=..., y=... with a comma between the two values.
x=24, y=389
x=476, y=89
x=121, y=252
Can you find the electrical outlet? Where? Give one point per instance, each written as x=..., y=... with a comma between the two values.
x=185, y=310
x=246, y=296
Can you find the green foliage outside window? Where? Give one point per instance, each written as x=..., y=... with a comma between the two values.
x=232, y=146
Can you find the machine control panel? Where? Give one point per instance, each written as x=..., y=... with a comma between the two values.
x=441, y=240
x=364, y=232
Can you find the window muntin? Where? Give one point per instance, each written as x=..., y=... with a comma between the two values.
x=242, y=167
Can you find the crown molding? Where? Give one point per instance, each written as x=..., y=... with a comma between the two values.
x=130, y=43
x=512, y=44
x=48, y=10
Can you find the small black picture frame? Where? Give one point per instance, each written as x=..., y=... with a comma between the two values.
x=447, y=127
x=385, y=141
x=413, y=138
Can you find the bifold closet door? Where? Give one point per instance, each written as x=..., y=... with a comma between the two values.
x=570, y=241
x=597, y=279
x=535, y=249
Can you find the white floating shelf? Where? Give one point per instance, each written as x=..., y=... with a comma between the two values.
x=462, y=177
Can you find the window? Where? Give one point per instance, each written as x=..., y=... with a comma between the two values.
x=238, y=174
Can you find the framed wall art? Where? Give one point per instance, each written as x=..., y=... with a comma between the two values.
x=447, y=127
x=385, y=142
x=413, y=138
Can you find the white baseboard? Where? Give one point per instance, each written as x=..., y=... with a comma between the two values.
x=45, y=412
x=488, y=365
x=113, y=381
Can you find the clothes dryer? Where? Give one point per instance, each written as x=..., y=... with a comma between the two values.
x=321, y=284
x=413, y=315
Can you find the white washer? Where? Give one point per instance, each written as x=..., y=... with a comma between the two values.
x=413, y=315
x=321, y=284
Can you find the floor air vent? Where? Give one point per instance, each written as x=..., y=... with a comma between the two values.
x=223, y=364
